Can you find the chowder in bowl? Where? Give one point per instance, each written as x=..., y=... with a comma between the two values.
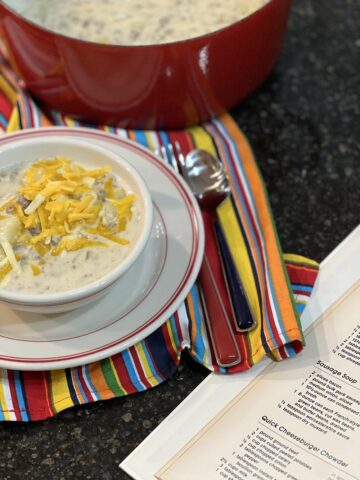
x=74, y=218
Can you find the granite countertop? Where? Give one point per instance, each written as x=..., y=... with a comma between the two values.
x=304, y=126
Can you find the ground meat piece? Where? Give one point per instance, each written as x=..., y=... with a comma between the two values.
x=23, y=201
x=35, y=230
x=10, y=209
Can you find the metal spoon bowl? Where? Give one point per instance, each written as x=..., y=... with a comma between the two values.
x=206, y=176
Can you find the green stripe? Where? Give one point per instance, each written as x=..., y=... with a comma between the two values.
x=110, y=378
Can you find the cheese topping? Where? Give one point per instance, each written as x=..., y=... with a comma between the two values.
x=61, y=207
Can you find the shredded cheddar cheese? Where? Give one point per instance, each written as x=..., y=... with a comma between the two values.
x=62, y=207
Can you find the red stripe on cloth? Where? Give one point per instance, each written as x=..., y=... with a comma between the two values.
x=183, y=139
x=6, y=107
x=301, y=274
x=282, y=352
x=121, y=370
x=13, y=394
x=84, y=386
x=301, y=292
x=297, y=346
x=37, y=395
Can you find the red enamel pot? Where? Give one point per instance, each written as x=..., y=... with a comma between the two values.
x=149, y=87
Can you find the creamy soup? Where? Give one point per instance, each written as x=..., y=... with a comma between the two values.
x=63, y=225
x=135, y=22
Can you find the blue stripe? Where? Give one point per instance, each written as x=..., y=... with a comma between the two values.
x=141, y=138
x=156, y=344
x=20, y=396
x=3, y=120
x=290, y=351
x=300, y=307
x=131, y=371
x=76, y=370
x=166, y=142
x=88, y=379
x=302, y=288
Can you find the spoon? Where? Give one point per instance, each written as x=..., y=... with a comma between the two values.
x=208, y=180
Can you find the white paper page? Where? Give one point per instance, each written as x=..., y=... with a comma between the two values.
x=301, y=419
x=216, y=391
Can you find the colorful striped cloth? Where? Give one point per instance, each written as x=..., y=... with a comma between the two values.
x=278, y=286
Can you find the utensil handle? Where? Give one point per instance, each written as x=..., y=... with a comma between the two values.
x=216, y=302
x=242, y=312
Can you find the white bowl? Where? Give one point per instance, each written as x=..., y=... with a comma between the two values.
x=29, y=150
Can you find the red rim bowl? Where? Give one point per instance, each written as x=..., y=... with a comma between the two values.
x=163, y=86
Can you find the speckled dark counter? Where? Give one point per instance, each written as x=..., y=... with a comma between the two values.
x=304, y=126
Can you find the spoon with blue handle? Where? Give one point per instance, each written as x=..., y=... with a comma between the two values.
x=208, y=180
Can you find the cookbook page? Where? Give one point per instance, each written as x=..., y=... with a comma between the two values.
x=299, y=420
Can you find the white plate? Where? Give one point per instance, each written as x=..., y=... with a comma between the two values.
x=141, y=301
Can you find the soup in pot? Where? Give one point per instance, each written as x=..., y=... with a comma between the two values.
x=135, y=22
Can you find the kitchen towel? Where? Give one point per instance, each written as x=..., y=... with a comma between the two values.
x=279, y=285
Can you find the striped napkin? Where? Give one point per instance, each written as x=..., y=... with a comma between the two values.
x=278, y=285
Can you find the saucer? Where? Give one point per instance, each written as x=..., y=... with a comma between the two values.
x=141, y=301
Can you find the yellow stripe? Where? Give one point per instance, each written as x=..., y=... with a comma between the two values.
x=303, y=302
x=293, y=258
x=14, y=122
x=3, y=402
x=276, y=355
x=202, y=139
x=149, y=140
x=69, y=122
x=145, y=365
x=8, y=90
x=60, y=392
x=259, y=352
